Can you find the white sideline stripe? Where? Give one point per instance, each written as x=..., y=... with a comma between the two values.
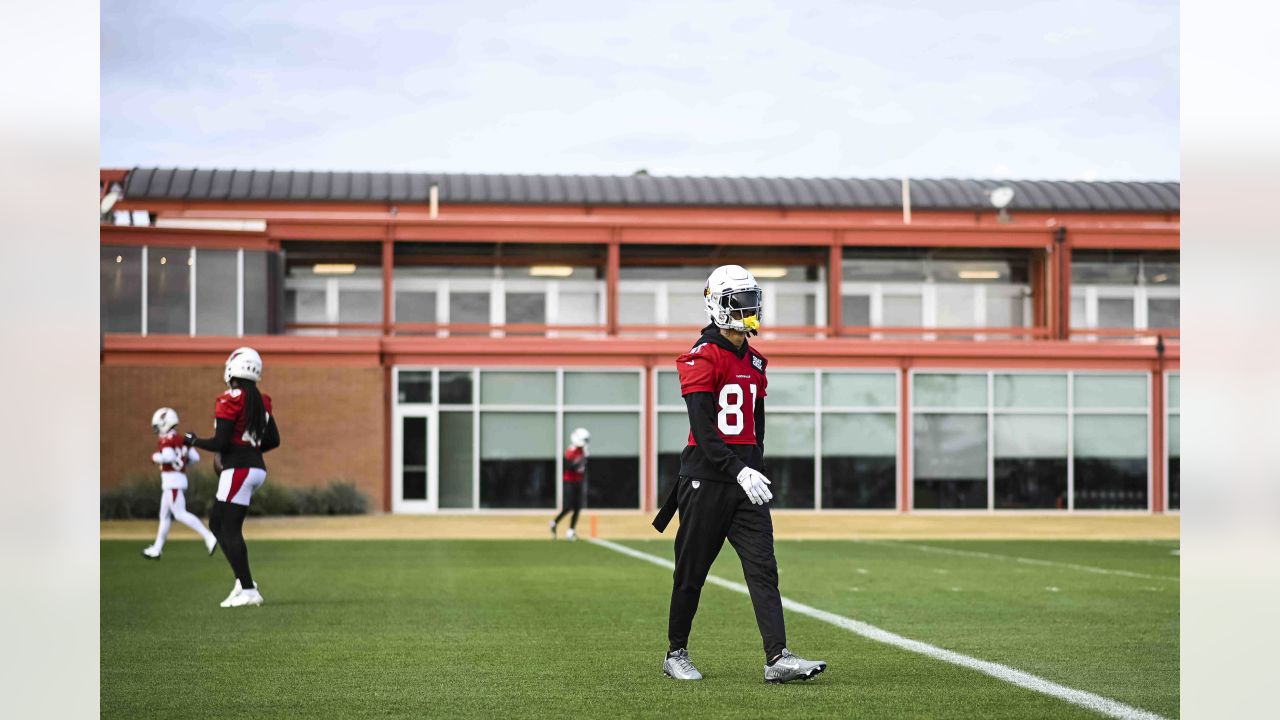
x=1024, y=560
x=1088, y=700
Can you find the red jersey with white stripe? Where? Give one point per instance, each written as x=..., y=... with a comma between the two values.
x=575, y=464
x=230, y=406
x=173, y=440
x=735, y=382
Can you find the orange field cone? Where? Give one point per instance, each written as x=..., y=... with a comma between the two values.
x=595, y=527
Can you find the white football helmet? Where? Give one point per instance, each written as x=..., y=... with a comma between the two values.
x=244, y=363
x=164, y=420
x=733, y=299
x=579, y=437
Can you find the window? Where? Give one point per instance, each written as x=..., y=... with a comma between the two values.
x=1120, y=289
x=120, y=279
x=859, y=458
x=258, y=293
x=1042, y=441
x=455, y=387
x=495, y=295
x=601, y=388
x=414, y=459
x=415, y=307
x=456, y=444
x=168, y=291
x=501, y=434
x=517, y=388
x=855, y=310
x=1030, y=441
x=217, y=301
x=469, y=308
x=311, y=297
x=613, y=468
x=950, y=460
x=190, y=291
x=914, y=287
x=526, y=307
x=414, y=386
x=794, y=295
x=789, y=455
x=853, y=414
x=1110, y=441
x=518, y=453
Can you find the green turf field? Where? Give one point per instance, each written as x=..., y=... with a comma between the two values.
x=539, y=629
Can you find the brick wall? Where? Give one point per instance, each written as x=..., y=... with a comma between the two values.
x=331, y=420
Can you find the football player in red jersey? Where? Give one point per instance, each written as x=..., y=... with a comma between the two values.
x=244, y=429
x=173, y=457
x=575, y=473
x=722, y=492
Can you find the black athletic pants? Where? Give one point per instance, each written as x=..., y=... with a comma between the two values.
x=710, y=513
x=226, y=522
x=572, y=502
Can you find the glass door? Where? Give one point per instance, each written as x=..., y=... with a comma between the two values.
x=414, y=479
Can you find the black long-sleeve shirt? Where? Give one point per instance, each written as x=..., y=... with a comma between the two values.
x=234, y=454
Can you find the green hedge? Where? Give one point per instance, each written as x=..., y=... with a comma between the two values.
x=140, y=497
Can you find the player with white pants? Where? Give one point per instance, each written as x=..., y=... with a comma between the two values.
x=244, y=429
x=173, y=457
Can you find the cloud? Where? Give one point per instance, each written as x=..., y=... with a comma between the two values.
x=753, y=87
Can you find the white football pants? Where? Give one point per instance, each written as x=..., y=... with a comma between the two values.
x=173, y=506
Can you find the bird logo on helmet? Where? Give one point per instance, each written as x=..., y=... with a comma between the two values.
x=579, y=437
x=733, y=299
x=164, y=420
x=244, y=363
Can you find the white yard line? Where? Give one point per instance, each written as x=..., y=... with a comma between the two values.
x=1023, y=560
x=1097, y=703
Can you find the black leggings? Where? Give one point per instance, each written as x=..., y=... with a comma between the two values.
x=572, y=503
x=226, y=521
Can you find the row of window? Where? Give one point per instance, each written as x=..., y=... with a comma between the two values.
x=225, y=292
x=978, y=440
x=185, y=291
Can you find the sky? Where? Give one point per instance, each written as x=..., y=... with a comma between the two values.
x=1078, y=90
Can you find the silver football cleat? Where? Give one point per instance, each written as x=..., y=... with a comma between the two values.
x=678, y=666
x=789, y=667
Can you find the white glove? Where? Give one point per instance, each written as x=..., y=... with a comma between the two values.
x=756, y=485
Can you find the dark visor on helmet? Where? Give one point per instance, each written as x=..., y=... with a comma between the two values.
x=746, y=301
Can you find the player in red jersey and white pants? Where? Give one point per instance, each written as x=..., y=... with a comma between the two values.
x=173, y=457
x=244, y=429
x=722, y=492
x=575, y=473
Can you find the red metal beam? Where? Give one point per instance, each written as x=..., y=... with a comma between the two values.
x=835, y=276
x=648, y=418
x=904, y=439
x=134, y=236
x=613, y=264
x=1145, y=237
x=388, y=271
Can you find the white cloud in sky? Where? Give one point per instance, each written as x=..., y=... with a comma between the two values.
x=750, y=87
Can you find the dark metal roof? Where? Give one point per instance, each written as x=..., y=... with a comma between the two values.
x=644, y=190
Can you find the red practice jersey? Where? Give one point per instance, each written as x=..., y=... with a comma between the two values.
x=173, y=440
x=735, y=383
x=230, y=406
x=575, y=464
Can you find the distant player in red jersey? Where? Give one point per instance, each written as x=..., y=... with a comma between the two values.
x=575, y=473
x=722, y=491
x=244, y=429
x=173, y=457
